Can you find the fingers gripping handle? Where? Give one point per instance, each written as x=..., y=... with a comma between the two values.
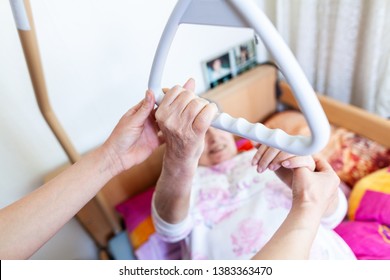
x=277, y=138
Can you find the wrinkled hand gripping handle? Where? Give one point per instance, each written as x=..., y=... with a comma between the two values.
x=246, y=14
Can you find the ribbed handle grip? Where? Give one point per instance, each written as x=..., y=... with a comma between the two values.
x=260, y=133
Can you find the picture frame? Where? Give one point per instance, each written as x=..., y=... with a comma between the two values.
x=225, y=66
x=245, y=56
x=218, y=70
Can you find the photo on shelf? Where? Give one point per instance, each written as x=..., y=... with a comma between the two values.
x=223, y=67
x=218, y=70
x=245, y=56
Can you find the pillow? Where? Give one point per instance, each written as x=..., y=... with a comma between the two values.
x=136, y=213
x=368, y=231
x=370, y=198
x=368, y=240
x=351, y=156
x=292, y=122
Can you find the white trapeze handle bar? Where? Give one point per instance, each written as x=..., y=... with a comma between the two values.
x=239, y=13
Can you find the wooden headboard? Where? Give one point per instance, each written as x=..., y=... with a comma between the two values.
x=344, y=115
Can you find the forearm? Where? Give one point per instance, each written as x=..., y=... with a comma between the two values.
x=294, y=237
x=28, y=223
x=173, y=190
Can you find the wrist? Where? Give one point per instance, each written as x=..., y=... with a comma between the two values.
x=110, y=162
x=306, y=215
x=180, y=165
x=183, y=153
x=179, y=168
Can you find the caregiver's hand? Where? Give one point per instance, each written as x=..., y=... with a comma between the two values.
x=134, y=137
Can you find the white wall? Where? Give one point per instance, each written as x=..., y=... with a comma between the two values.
x=96, y=56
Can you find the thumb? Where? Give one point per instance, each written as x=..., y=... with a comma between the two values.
x=142, y=111
x=322, y=165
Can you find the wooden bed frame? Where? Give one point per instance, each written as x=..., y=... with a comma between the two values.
x=253, y=95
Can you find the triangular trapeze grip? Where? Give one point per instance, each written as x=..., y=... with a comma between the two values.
x=239, y=13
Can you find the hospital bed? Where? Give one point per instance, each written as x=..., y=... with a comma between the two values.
x=257, y=95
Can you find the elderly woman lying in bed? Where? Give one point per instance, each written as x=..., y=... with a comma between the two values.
x=226, y=208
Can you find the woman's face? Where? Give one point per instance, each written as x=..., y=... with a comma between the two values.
x=219, y=146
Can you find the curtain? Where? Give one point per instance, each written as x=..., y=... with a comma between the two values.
x=343, y=46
